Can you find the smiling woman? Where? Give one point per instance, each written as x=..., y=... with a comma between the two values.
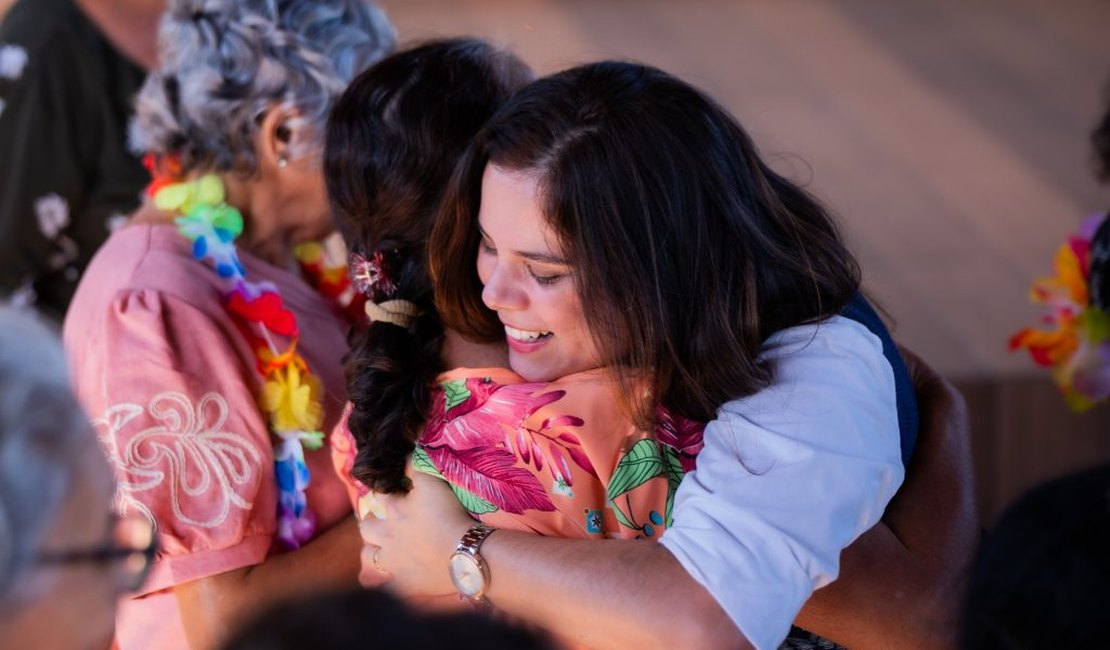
x=619, y=234
x=528, y=282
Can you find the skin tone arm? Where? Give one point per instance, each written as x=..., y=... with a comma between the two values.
x=611, y=596
x=924, y=545
x=211, y=608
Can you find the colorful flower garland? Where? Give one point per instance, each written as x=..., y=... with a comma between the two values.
x=291, y=395
x=1077, y=348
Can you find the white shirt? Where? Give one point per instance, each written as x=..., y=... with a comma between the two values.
x=790, y=476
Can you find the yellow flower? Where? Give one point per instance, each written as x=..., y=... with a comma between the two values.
x=184, y=196
x=291, y=396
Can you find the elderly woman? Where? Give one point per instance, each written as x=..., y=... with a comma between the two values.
x=64, y=559
x=209, y=357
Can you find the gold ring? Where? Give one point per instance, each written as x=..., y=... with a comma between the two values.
x=378, y=565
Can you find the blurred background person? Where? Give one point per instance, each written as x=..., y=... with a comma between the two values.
x=65, y=558
x=69, y=70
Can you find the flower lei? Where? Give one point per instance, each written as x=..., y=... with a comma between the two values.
x=291, y=395
x=1077, y=348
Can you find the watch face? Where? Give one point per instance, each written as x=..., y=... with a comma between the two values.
x=467, y=575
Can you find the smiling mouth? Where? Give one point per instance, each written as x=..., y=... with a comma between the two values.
x=525, y=336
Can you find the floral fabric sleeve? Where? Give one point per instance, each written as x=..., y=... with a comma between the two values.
x=176, y=411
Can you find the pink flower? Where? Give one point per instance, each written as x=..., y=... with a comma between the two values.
x=682, y=435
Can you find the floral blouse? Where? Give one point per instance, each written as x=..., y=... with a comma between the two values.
x=557, y=459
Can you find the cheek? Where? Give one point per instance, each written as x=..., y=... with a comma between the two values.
x=485, y=267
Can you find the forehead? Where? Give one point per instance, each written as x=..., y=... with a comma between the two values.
x=511, y=212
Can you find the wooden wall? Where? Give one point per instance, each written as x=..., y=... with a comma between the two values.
x=950, y=137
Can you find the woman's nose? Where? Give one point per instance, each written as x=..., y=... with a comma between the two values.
x=502, y=290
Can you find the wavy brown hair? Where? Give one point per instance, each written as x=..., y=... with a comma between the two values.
x=689, y=250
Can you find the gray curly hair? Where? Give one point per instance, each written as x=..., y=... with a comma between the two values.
x=223, y=63
x=42, y=434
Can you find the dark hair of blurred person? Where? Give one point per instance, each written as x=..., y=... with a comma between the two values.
x=373, y=618
x=1042, y=576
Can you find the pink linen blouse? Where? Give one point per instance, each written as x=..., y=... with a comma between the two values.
x=172, y=387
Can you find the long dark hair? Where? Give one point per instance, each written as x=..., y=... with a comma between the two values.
x=689, y=250
x=391, y=144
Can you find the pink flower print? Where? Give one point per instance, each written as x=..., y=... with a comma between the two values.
x=682, y=435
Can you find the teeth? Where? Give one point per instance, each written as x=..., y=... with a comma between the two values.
x=524, y=335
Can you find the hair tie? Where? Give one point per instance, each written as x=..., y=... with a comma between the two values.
x=397, y=312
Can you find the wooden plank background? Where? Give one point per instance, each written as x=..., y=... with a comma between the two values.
x=949, y=136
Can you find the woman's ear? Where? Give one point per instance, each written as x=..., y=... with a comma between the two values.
x=277, y=133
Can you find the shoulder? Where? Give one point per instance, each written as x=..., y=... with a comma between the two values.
x=152, y=259
x=832, y=390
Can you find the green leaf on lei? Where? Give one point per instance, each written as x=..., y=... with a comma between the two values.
x=1097, y=324
x=312, y=440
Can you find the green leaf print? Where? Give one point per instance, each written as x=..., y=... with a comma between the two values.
x=472, y=502
x=621, y=517
x=674, y=477
x=641, y=464
x=455, y=392
x=421, y=463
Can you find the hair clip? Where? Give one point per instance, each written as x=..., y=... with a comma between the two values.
x=370, y=276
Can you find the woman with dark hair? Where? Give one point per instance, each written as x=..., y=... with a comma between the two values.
x=204, y=347
x=602, y=147
x=392, y=142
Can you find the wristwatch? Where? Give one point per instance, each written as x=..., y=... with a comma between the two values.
x=469, y=572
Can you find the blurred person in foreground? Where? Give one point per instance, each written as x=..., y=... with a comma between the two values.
x=374, y=618
x=65, y=557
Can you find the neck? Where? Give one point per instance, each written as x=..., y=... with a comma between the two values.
x=131, y=26
x=263, y=237
x=459, y=352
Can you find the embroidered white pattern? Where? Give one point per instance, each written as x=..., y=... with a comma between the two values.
x=13, y=59
x=186, y=448
x=53, y=214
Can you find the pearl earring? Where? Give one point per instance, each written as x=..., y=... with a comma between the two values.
x=282, y=161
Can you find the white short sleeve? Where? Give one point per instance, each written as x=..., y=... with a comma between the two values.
x=790, y=476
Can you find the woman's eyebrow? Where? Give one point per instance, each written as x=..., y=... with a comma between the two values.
x=543, y=258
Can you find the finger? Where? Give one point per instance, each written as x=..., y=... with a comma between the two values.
x=370, y=505
x=369, y=574
x=370, y=530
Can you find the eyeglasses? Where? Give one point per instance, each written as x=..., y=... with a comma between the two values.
x=134, y=546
